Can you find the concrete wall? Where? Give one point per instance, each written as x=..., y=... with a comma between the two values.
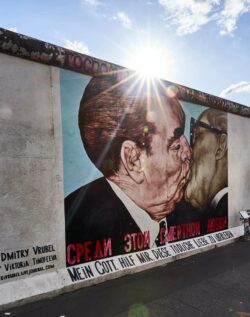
x=238, y=167
x=31, y=180
x=32, y=197
x=31, y=155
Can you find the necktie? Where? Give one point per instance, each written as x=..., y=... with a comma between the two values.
x=160, y=240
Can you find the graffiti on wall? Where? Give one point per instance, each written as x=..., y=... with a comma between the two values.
x=102, y=267
x=151, y=170
x=27, y=261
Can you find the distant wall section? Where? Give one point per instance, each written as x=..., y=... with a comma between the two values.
x=239, y=167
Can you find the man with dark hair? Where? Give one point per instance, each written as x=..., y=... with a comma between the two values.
x=133, y=134
x=207, y=186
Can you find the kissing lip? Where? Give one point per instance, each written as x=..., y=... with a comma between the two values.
x=182, y=183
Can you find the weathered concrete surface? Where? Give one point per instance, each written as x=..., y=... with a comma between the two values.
x=215, y=283
x=31, y=188
x=238, y=167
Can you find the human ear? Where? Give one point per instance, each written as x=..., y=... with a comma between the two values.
x=131, y=160
x=222, y=146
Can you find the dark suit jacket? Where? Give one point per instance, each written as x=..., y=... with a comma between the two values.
x=94, y=212
x=219, y=211
x=185, y=213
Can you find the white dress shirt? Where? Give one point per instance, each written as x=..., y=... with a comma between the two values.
x=140, y=216
x=218, y=197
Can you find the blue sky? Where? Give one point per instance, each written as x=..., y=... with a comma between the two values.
x=205, y=43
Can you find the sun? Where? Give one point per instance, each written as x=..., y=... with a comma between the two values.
x=150, y=61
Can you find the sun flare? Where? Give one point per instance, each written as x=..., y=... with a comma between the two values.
x=150, y=61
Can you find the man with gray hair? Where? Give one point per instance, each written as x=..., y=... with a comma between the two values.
x=208, y=178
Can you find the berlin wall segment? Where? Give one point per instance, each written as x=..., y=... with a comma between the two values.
x=104, y=235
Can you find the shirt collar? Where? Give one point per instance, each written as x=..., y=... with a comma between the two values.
x=218, y=197
x=140, y=216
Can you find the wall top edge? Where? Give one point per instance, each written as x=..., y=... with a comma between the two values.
x=29, y=48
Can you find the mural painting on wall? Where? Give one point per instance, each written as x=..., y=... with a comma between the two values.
x=142, y=169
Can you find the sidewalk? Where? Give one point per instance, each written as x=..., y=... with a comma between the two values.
x=215, y=283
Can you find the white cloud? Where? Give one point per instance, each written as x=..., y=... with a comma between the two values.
x=93, y=3
x=243, y=86
x=230, y=14
x=124, y=19
x=13, y=29
x=189, y=15
x=77, y=46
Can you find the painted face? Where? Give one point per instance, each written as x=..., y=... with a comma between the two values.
x=201, y=178
x=167, y=166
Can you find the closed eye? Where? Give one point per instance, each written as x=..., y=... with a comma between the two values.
x=175, y=147
x=175, y=139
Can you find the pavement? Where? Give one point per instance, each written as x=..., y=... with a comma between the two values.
x=214, y=283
